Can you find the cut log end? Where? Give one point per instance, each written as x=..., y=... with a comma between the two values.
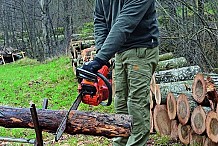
x=212, y=126
x=199, y=88
x=161, y=120
x=183, y=109
x=184, y=133
x=171, y=106
x=198, y=118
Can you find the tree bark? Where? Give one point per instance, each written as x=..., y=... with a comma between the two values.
x=162, y=90
x=79, y=122
x=166, y=56
x=177, y=74
x=171, y=63
x=161, y=120
x=211, y=126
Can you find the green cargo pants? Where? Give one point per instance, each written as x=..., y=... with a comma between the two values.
x=133, y=72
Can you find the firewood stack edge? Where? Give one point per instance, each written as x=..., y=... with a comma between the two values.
x=184, y=102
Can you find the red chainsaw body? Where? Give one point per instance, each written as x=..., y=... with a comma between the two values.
x=96, y=92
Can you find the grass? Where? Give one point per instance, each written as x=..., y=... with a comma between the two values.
x=28, y=81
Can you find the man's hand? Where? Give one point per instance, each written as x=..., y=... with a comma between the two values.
x=94, y=65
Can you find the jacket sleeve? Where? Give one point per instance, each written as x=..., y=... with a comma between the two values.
x=100, y=26
x=130, y=16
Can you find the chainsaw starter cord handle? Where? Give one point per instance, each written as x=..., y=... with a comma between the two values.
x=109, y=89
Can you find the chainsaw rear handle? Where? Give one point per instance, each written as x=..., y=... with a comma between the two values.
x=109, y=101
x=84, y=74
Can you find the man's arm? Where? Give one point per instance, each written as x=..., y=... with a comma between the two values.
x=101, y=30
x=130, y=16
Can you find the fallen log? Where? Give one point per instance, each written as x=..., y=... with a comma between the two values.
x=171, y=63
x=211, y=126
x=177, y=74
x=161, y=120
x=79, y=122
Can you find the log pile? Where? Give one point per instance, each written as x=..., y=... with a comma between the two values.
x=184, y=102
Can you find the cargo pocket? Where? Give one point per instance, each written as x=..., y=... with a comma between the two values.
x=141, y=52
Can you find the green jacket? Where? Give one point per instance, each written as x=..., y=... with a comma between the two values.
x=124, y=24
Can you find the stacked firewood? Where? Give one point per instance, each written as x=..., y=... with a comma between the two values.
x=184, y=102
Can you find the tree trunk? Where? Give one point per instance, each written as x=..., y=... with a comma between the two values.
x=88, y=123
x=211, y=126
x=161, y=120
x=177, y=74
x=171, y=63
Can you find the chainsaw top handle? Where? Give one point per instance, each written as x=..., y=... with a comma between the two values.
x=84, y=74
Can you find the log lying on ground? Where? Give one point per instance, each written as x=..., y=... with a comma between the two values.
x=174, y=130
x=211, y=126
x=171, y=63
x=162, y=122
x=177, y=74
x=79, y=122
x=196, y=140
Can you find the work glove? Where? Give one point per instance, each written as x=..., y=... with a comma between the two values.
x=94, y=65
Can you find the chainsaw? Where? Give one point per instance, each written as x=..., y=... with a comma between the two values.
x=94, y=89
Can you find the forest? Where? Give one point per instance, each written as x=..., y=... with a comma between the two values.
x=45, y=28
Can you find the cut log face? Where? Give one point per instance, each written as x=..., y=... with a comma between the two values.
x=199, y=88
x=171, y=106
x=183, y=109
x=157, y=94
x=184, y=133
x=209, y=142
x=196, y=140
x=212, y=126
x=174, y=130
x=161, y=120
x=198, y=118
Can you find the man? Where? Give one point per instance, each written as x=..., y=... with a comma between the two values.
x=128, y=29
